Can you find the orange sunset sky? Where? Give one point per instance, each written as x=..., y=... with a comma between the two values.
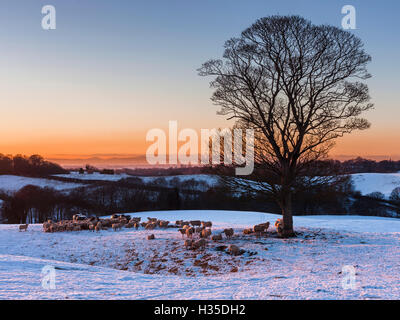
x=108, y=74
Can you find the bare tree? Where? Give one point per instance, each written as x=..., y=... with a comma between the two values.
x=298, y=85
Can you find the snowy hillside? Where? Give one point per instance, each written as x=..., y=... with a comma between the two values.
x=376, y=182
x=366, y=183
x=10, y=183
x=124, y=265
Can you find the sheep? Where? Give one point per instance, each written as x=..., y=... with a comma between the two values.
x=129, y=225
x=91, y=227
x=248, y=231
x=228, y=232
x=189, y=232
x=198, y=229
x=123, y=220
x=279, y=226
x=163, y=224
x=182, y=231
x=265, y=225
x=150, y=226
x=46, y=226
x=84, y=225
x=78, y=217
x=114, y=221
x=23, y=227
x=122, y=216
x=206, y=224
x=188, y=244
x=106, y=223
x=205, y=233
x=94, y=220
x=135, y=220
x=234, y=250
x=116, y=226
x=201, y=243
x=258, y=229
x=150, y=237
x=216, y=237
x=195, y=223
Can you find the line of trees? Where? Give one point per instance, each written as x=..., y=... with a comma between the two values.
x=360, y=165
x=33, y=165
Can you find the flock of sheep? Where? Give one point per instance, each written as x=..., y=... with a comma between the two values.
x=197, y=232
x=79, y=223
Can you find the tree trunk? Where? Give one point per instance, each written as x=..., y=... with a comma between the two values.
x=286, y=206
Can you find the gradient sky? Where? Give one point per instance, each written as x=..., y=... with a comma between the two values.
x=114, y=69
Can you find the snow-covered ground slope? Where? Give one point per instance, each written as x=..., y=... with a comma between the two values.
x=124, y=265
x=10, y=183
x=376, y=182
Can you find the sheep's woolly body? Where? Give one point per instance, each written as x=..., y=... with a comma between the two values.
x=248, y=231
x=195, y=223
x=201, y=243
x=188, y=243
x=216, y=237
x=206, y=224
x=205, y=233
x=234, y=250
x=23, y=227
x=189, y=232
x=228, y=232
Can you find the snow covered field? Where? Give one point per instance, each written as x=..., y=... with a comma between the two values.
x=123, y=265
x=10, y=183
